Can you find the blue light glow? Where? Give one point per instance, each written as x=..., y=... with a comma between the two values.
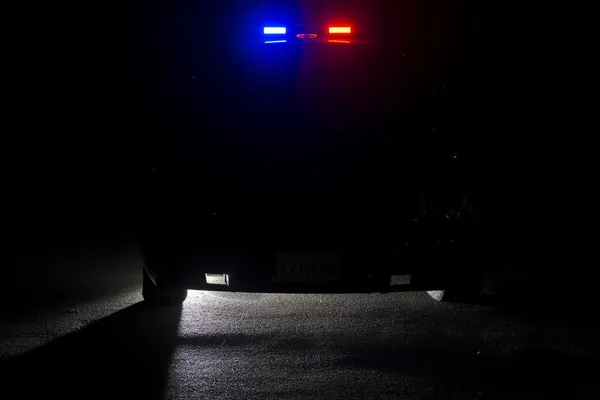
x=275, y=41
x=274, y=30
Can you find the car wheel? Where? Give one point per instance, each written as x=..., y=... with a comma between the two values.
x=469, y=291
x=437, y=295
x=454, y=295
x=159, y=295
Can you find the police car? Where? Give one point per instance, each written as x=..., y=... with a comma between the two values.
x=305, y=152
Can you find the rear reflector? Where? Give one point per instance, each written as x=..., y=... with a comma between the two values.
x=274, y=30
x=339, y=41
x=306, y=36
x=217, y=279
x=275, y=41
x=340, y=29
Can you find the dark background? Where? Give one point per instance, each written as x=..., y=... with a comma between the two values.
x=89, y=84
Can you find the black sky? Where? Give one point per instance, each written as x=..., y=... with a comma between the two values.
x=89, y=83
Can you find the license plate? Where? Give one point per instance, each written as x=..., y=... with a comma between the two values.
x=307, y=268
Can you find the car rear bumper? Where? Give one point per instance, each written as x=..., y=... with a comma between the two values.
x=190, y=240
x=367, y=285
x=250, y=270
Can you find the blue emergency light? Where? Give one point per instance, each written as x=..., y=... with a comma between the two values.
x=274, y=30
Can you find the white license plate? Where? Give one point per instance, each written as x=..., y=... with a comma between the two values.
x=307, y=268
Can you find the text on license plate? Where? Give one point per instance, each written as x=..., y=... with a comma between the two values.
x=307, y=267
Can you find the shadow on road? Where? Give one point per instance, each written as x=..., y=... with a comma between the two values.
x=124, y=355
x=15, y=304
x=458, y=369
x=547, y=304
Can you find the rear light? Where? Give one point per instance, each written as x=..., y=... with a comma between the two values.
x=274, y=30
x=340, y=29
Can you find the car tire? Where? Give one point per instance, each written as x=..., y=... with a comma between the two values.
x=454, y=295
x=437, y=295
x=159, y=295
x=467, y=292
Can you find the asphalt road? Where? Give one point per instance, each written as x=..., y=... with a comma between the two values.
x=103, y=342
x=72, y=325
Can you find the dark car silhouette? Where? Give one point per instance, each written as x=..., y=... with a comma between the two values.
x=293, y=157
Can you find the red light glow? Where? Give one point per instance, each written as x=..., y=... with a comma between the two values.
x=340, y=29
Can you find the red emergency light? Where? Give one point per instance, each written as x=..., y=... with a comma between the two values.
x=340, y=29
